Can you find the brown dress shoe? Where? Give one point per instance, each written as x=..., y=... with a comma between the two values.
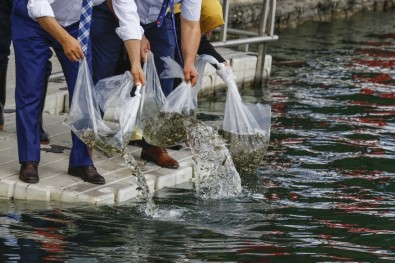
x=159, y=156
x=87, y=173
x=28, y=172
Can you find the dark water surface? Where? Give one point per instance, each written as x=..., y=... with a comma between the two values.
x=325, y=191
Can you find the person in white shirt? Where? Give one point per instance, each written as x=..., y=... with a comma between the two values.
x=38, y=25
x=161, y=40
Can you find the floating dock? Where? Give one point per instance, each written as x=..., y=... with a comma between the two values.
x=56, y=185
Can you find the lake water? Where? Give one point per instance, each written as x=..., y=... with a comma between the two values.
x=325, y=191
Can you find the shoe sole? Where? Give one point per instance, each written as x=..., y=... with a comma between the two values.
x=81, y=177
x=29, y=181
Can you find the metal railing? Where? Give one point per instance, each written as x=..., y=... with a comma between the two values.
x=264, y=35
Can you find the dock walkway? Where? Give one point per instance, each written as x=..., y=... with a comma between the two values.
x=56, y=185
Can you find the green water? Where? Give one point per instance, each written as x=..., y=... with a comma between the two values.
x=324, y=193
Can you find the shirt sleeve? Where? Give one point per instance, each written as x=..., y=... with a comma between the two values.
x=40, y=8
x=129, y=21
x=190, y=9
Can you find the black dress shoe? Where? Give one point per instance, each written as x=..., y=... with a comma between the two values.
x=29, y=173
x=87, y=173
x=44, y=137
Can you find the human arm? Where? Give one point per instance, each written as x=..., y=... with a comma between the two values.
x=207, y=48
x=130, y=32
x=133, y=49
x=145, y=48
x=71, y=47
x=190, y=39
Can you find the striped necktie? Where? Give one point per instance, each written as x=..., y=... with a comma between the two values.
x=85, y=24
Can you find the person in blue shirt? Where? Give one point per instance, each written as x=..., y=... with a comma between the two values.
x=38, y=25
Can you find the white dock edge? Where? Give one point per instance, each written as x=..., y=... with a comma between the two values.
x=56, y=185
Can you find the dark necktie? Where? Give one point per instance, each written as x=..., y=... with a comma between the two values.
x=163, y=11
x=161, y=17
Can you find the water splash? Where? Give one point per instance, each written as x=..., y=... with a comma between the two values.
x=151, y=207
x=215, y=172
x=104, y=145
x=216, y=175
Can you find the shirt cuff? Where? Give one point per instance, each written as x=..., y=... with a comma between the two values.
x=37, y=9
x=126, y=32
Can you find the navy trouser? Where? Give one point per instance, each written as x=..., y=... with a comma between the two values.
x=106, y=45
x=5, y=42
x=163, y=44
x=5, y=35
x=31, y=44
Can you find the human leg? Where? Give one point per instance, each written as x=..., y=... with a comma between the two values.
x=163, y=44
x=79, y=153
x=5, y=41
x=3, y=80
x=80, y=163
x=162, y=41
x=44, y=136
x=106, y=45
x=31, y=48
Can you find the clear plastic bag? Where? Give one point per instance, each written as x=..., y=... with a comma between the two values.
x=84, y=117
x=180, y=99
x=165, y=125
x=200, y=65
x=119, y=101
x=153, y=100
x=246, y=126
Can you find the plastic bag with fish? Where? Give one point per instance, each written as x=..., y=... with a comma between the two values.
x=163, y=119
x=84, y=116
x=246, y=126
x=119, y=100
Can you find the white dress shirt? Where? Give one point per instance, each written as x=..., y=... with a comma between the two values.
x=68, y=12
x=148, y=10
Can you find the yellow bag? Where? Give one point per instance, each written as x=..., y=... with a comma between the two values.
x=211, y=15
